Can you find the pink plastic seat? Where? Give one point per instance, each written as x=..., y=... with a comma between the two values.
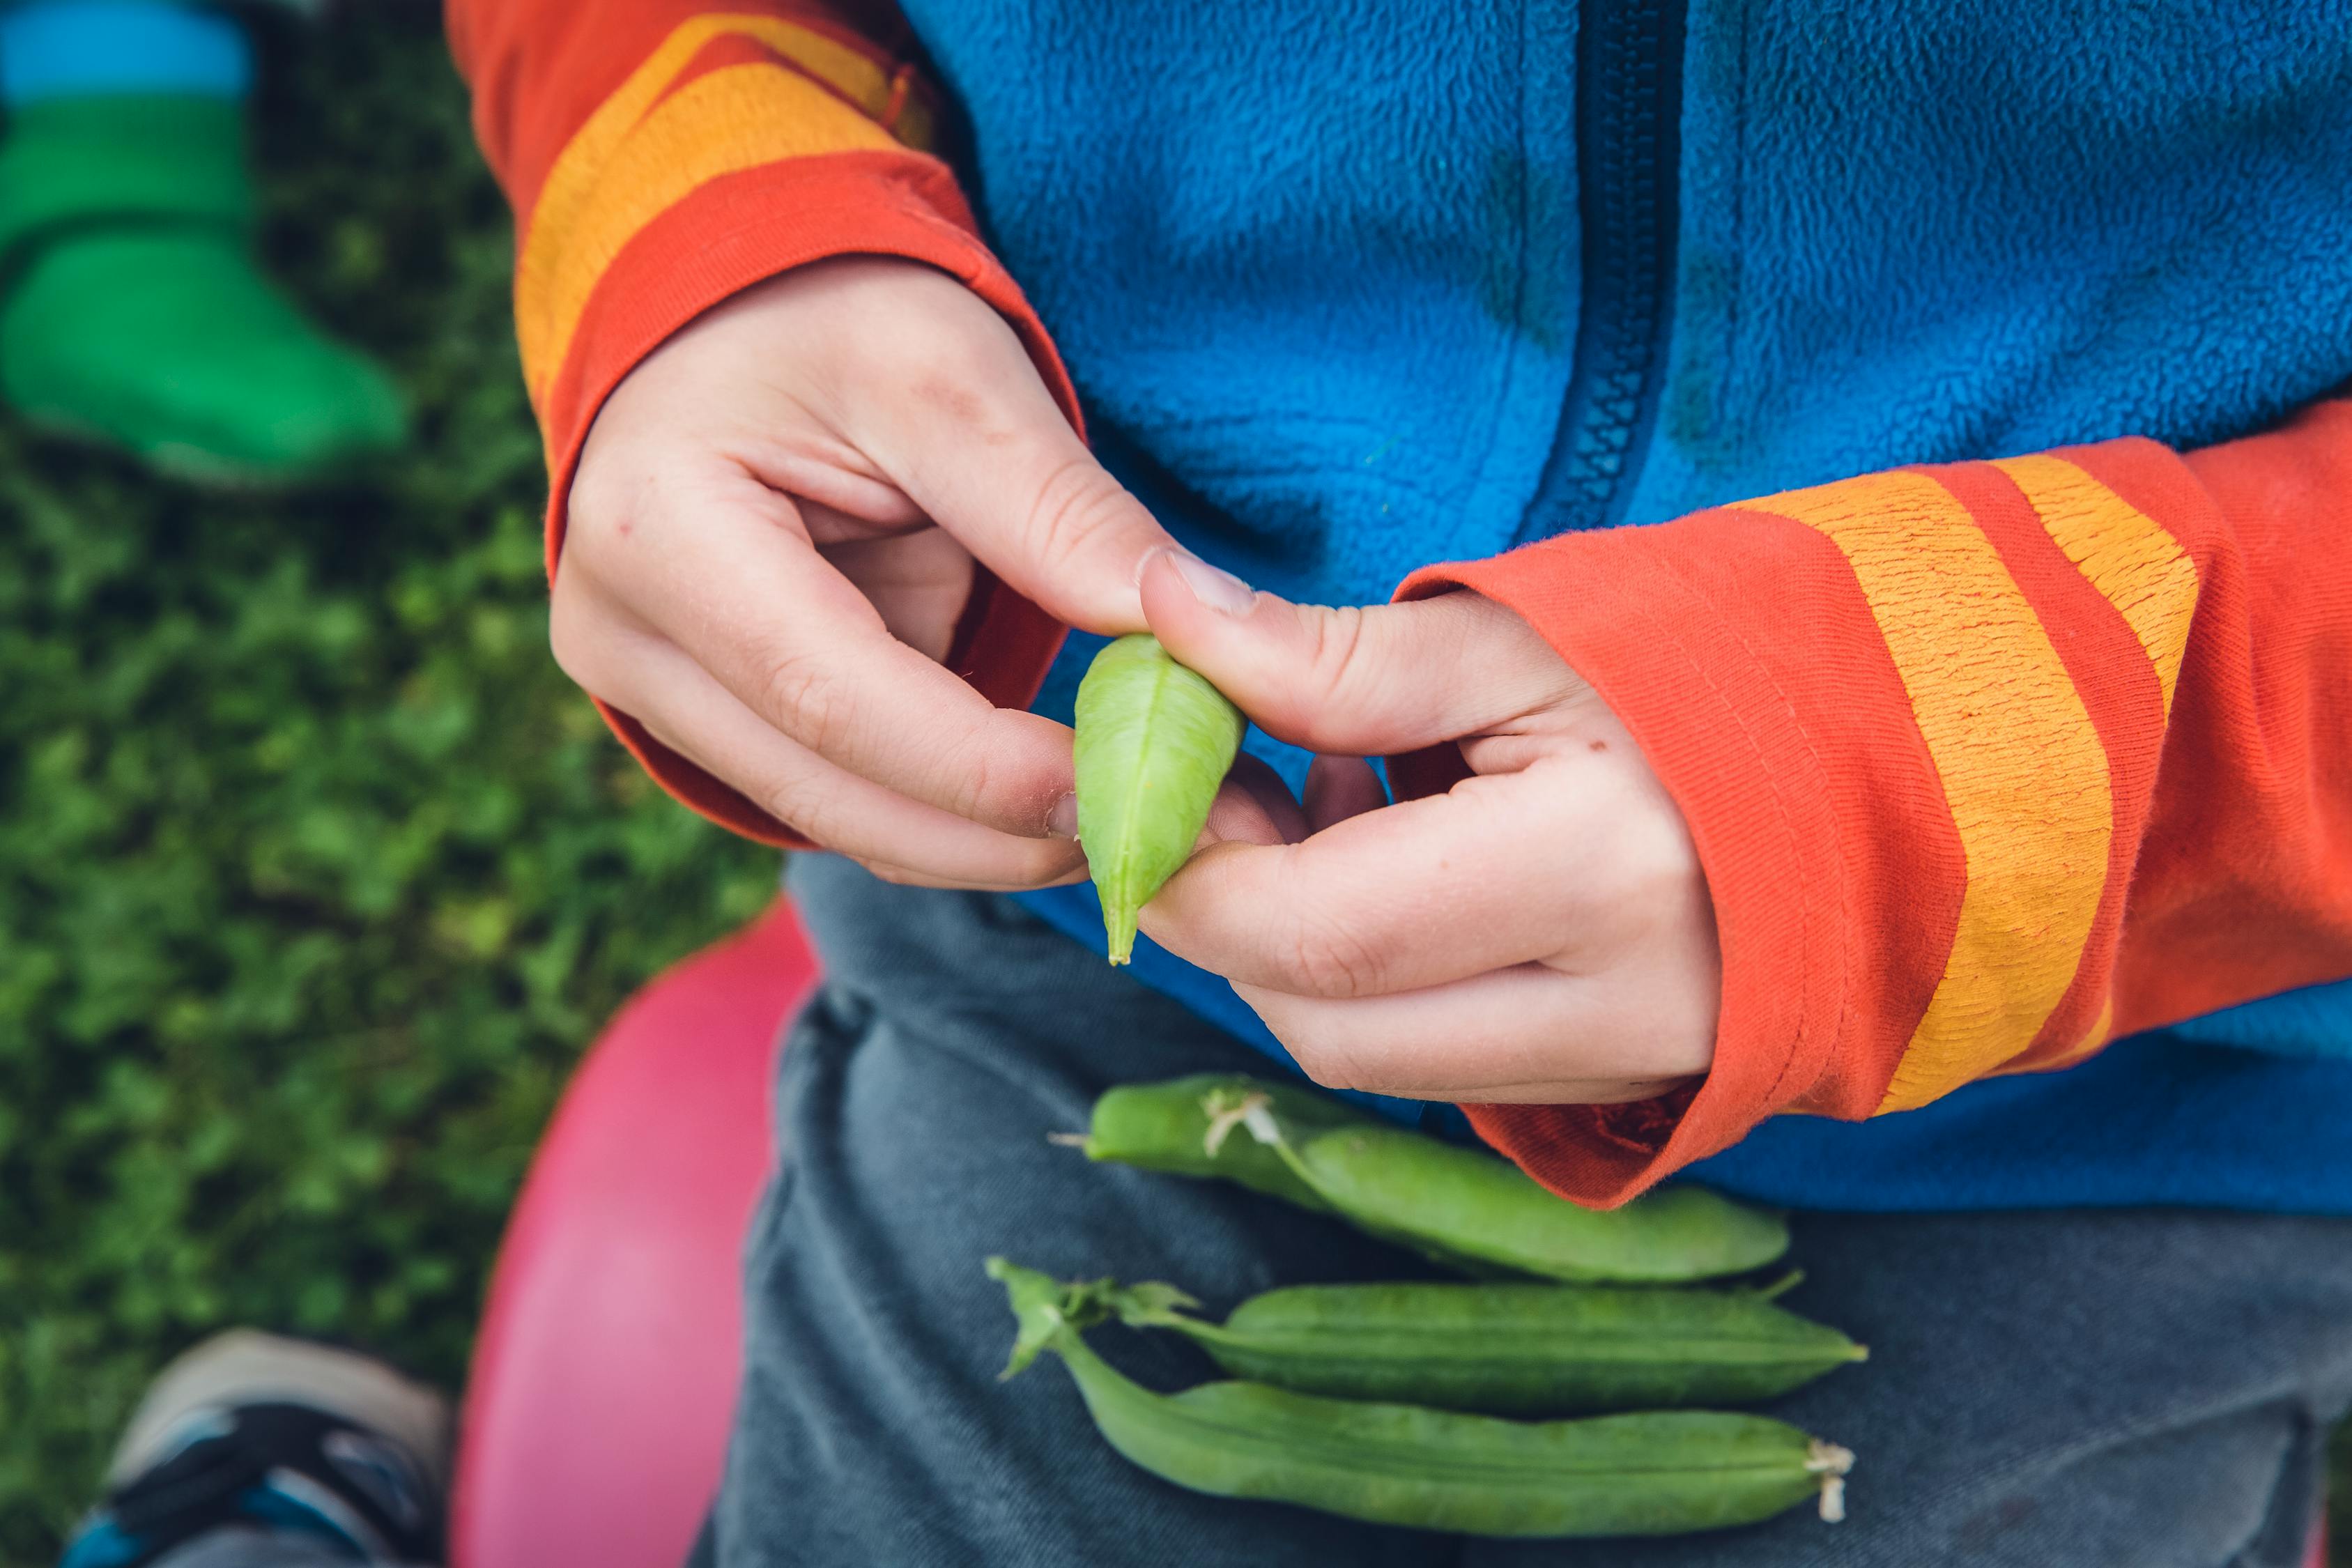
x=596, y=1417
x=605, y=1377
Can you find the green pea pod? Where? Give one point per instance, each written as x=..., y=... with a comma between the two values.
x=1154, y=741
x=1660, y=1473
x=1421, y=1192
x=1508, y=1350
x=1176, y=1126
x=1190, y=1127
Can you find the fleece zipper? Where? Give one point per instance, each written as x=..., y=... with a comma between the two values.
x=1629, y=60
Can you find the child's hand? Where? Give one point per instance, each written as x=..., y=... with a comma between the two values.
x=772, y=532
x=1540, y=935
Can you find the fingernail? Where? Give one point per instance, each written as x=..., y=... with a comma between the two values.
x=1220, y=590
x=1062, y=822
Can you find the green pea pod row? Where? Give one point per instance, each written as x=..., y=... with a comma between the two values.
x=1508, y=1350
x=1654, y=1474
x=1153, y=742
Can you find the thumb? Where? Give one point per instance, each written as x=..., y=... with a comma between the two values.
x=1359, y=680
x=980, y=446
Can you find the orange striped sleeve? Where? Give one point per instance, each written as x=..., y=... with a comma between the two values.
x=662, y=155
x=1987, y=764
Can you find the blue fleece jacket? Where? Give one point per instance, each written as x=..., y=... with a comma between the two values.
x=1354, y=286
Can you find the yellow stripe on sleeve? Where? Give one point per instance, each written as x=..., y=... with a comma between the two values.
x=2127, y=556
x=641, y=152
x=2022, y=768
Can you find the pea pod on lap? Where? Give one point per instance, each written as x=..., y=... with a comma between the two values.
x=1415, y=1189
x=1171, y=1125
x=1512, y=1349
x=1659, y=1473
x=1462, y=1208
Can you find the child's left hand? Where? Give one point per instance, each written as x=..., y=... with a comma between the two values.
x=1541, y=933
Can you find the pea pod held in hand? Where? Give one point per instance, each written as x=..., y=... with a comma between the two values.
x=1509, y=1349
x=1426, y=1194
x=1154, y=742
x=1656, y=1474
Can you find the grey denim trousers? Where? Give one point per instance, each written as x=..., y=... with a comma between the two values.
x=2062, y=1389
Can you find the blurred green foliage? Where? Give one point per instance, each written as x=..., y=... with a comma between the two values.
x=315, y=874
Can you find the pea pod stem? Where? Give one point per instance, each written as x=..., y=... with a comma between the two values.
x=1649, y=1474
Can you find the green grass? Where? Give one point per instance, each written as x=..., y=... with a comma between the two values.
x=315, y=875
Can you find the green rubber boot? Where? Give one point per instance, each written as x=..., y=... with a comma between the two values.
x=131, y=308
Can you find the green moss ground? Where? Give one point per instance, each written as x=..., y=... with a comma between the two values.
x=315, y=875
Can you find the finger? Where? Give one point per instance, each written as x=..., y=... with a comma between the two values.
x=1338, y=788
x=1500, y=870
x=688, y=711
x=953, y=871
x=907, y=876
x=1523, y=1035
x=829, y=525
x=1566, y=861
x=719, y=568
x=917, y=582
x=1254, y=806
x=1361, y=680
x=980, y=446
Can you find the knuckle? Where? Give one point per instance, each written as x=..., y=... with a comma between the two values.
x=1325, y=958
x=1075, y=504
x=804, y=808
x=971, y=790
x=1323, y=1063
x=1332, y=664
x=799, y=697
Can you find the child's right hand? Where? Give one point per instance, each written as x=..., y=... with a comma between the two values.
x=772, y=532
